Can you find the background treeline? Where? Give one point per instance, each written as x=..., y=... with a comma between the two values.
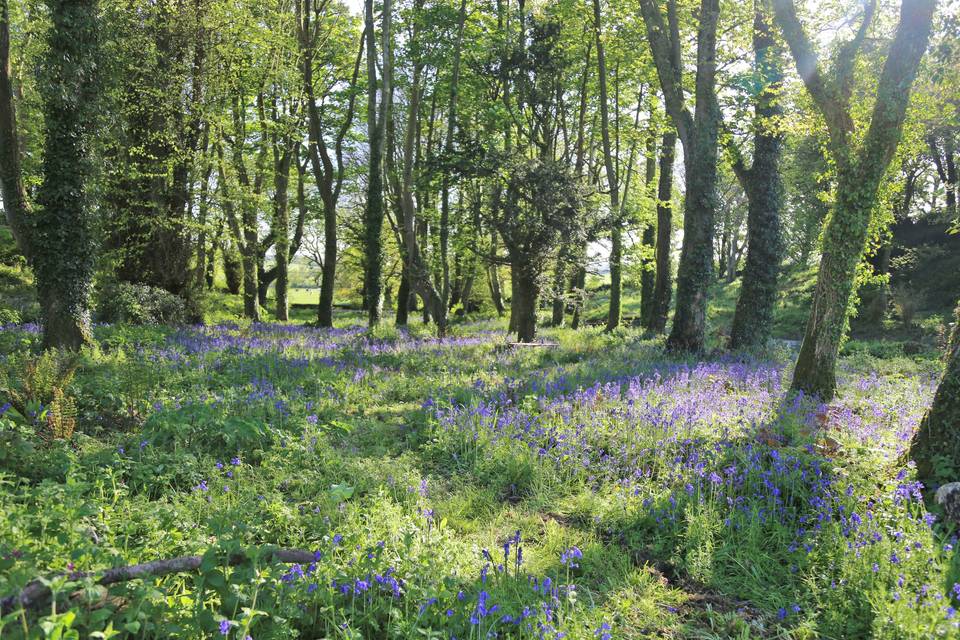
x=435, y=158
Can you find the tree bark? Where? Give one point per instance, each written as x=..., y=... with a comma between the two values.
x=698, y=134
x=648, y=275
x=662, y=286
x=859, y=172
x=281, y=212
x=616, y=223
x=753, y=318
x=63, y=254
x=376, y=122
x=527, y=293
x=16, y=206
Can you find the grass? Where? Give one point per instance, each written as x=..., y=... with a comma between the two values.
x=466, y=489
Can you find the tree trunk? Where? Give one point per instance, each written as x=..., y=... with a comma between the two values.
x=939, y=432
x=698, y=133
x=559, y=287
x=16, y=206
x=753, y=318
x=662, y=288
x=376, y=121
x=616, y=223
x=281, y=209
x=403, y=298
x=648, y=275
x=859, y=172
x=63, y=255
x=496, y=295
x=579, y=283
x=232, y=267
x=525, y=302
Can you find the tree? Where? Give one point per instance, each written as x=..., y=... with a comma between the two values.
x=753, y=318
x=544, y=203
x=328, y=165
x=63, y=243
x=698, y=133
x=939, y=434
x=860, y=166
x=376, y=128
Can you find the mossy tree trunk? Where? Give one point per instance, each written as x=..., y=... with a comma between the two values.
x=63, y=254
x=662, y=285
x=860, y=169
x=762, y=182
x=939, y=432
x=698, y=133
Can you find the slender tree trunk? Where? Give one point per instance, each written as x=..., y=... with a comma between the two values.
x=616, y=223
x=753, y=318
x=662, y=286
x=496, y=294
x=281, y=206
x=376, y=121
x=648, y=276
x=559, y=286
x=63, y=254
x=579, y=283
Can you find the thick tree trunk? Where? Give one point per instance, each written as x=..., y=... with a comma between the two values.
x=527, y=296
x=63, y=255
x=753, y=318
x=939, y=432
x=662, y=285
x=698, y=133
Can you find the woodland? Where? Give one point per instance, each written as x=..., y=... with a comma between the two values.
x=467, y=319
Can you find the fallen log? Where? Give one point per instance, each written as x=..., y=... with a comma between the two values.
x=37, y=592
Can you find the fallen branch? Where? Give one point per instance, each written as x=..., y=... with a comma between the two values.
x=37, y=592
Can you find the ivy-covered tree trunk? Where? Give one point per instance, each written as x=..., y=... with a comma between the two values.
x=939, y=432
x=63, y=255
x=376, y=127
x=753, y=318
x=698, y=133
x=860, y=169
x=16, y=206
x=663, y=284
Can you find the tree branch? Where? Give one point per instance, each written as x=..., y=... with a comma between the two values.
x=38, y=591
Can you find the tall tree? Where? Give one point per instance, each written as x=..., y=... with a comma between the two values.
x=698, y=134
x=63, y=243
x=860, y=166
x=616, y=222
x=327, y=164
x=763, y=185
x=376, y=129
